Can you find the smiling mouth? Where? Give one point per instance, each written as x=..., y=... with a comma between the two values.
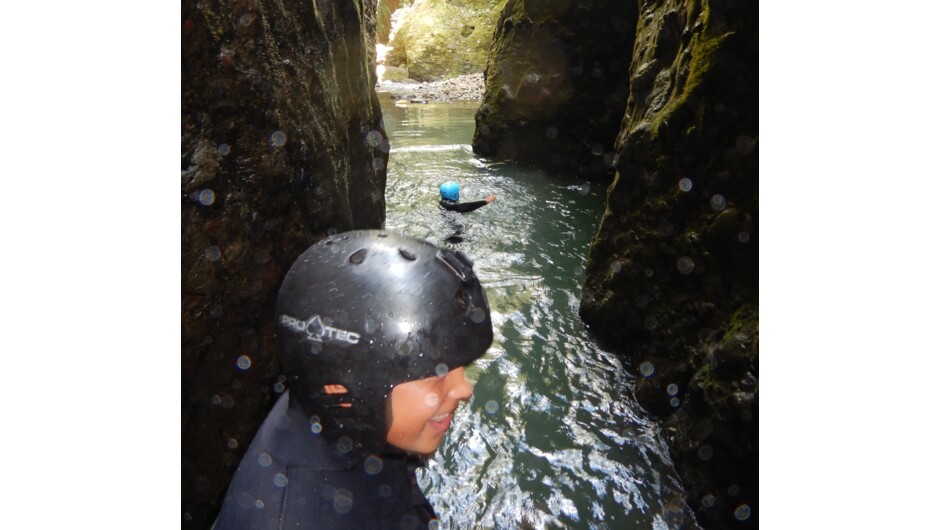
x=440, y=422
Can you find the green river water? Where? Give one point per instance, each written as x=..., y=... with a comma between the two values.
x=552, y=437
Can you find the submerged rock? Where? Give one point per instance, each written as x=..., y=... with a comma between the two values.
x=282, y=143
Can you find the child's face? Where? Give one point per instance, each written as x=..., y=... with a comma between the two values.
x=421, y=410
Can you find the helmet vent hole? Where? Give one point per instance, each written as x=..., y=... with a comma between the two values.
x=407, y=255
x=358, y=256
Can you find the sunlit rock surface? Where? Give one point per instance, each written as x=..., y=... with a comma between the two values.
x=282, y=143
x=672, y=274
x=440, y=39
x=556, y=85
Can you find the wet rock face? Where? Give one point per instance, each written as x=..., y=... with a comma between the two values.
x=441, y=39
x=672, y=274
x=556, y=85
x=282, y=142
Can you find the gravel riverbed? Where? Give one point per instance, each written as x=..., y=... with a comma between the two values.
x=463, y=88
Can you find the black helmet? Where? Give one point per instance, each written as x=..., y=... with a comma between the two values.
x=368, y=310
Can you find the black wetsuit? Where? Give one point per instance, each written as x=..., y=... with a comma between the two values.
x=462, y=207
x=291, y=478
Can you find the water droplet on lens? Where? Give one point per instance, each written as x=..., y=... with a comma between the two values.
x=343, y=501
x=650, y=322
x=227, y=402
x=615, y=267
x=647, y=369
x=278, y=387
x=477, y=315
x=491, y=407
x=316, y=428
x=224, y=149
x=484, y=130
x=278, y=138
x=434, y=524
x=708, y=501
x=378, y=164
x=685, y=184
x=232, y=443
x=385, y=490
x=280, y=480
x=215, y=311
x=674, y=402
x=741, y=513
x=373, y=465
x=718, y=202
x=744, y=237
x=206, y=197
x=672, y=389
x=331, y=232
x=259, y=504
x=265, y=460
x=551, y=133
x=706, y=452
x=374, y=138
x=344, y=444
x=213, y=253
x=585, y=188
x=648, y=273
x=441, y=370
x=216, y=399
x=244, y=362
x=431, y=400
x=246, y=19
x=685, y=264
x=734, y=489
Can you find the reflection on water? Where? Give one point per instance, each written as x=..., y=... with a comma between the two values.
x=551, y=438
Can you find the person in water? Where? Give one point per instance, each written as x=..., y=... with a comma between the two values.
x=373, y=333
x=450, y=199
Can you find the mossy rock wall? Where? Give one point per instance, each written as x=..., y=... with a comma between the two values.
x=282, y=143
x=672, y=275
x=557, y=84
x=441, y=39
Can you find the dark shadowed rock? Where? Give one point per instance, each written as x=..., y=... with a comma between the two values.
x=556, y=85
x=673, y=269
x=282, y=143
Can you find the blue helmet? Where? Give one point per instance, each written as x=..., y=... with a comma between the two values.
x=450, y=191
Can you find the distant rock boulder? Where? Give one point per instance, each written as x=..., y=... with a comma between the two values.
x=440, y=39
